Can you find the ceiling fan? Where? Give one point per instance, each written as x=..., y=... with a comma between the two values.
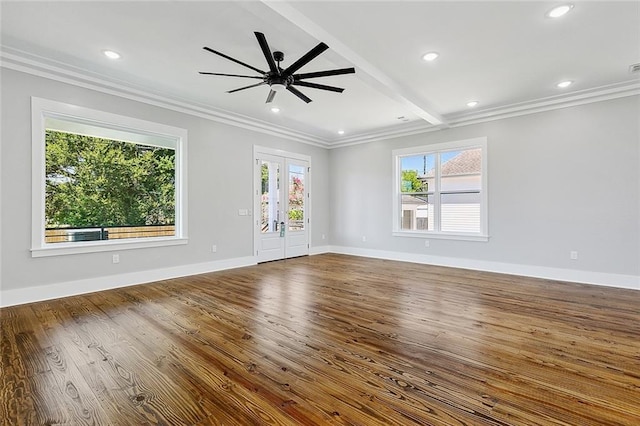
x=280, y=79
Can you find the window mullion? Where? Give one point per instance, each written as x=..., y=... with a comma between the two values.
x=436, y=194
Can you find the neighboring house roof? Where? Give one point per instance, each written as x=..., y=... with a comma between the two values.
x=467, y=162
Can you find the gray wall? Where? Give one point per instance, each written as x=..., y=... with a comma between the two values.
x=219, y=183
x=559, y=181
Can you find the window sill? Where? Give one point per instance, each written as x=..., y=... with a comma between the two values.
x=62, y=249
x=442, y=236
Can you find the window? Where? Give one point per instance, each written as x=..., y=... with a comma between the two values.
x=296, y=197
x=440, y=191
x=104, y=182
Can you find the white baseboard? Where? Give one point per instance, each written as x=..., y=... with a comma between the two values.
x=90, y=285
x=319, y=250
x=559, y=274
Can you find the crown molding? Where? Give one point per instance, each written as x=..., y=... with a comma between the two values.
x=598, y=94
x=35, y=65
x=582, y=97
x=31, y=64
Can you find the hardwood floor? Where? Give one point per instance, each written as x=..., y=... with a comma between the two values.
x=327, y=339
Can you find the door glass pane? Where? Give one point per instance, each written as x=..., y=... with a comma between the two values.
x=461, y=170
x=417, y=213
x=460, y=212
x=417, y=173
x=296, y=197
x=270, y=196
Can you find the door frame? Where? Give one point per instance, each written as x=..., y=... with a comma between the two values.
x=257, y=150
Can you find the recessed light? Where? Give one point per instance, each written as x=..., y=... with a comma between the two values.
x=471, y=104
x=341, y=132
x=430, y=56
x=111, y=54
x=559, y=11
x=275, y=109
x=564, y=84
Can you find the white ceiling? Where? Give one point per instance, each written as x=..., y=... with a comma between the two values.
x=506, y=55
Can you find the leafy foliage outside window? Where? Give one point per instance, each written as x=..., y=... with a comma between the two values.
x=296, y=198
x=100, y=182
x=411, y=183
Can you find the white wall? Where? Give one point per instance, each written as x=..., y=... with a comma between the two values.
x=560, y=180
x=219, y=183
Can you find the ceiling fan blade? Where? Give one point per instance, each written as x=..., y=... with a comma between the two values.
x=305, y=59
x=246, y=87
x=318, y=86
x=270, y=96
x=231, y=75
x=298, y=94
x=233, y=60
x=262, y=41
x=324, y=73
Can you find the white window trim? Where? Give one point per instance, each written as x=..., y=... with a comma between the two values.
x=43, y=108
x=483, y=235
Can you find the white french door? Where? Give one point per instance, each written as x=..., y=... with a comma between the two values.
x=281, y=206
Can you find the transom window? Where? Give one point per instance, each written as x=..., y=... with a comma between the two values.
x=440, y=191
x=103, y=181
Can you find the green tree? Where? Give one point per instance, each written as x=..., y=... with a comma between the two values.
x=100, y=182
x=410, y=181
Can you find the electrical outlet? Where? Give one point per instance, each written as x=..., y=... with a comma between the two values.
x=573, y=255
x=364, y=239
x=324, y=236
x=115, y=258
x=214, y=248
x=426, y=243
x=243, y=212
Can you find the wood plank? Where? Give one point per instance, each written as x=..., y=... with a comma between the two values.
x=327, y=339
x=17, y=406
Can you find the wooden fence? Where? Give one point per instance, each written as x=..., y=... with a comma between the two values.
x=60, y=235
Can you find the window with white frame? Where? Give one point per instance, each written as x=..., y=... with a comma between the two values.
x=102, y=181
x=440, y=191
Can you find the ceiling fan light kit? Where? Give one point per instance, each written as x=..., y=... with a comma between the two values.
x=279, y=79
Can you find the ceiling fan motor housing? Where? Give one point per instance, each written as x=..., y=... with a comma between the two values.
x=272, y=78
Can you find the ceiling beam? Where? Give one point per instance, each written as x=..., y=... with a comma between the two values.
x=366, y=71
